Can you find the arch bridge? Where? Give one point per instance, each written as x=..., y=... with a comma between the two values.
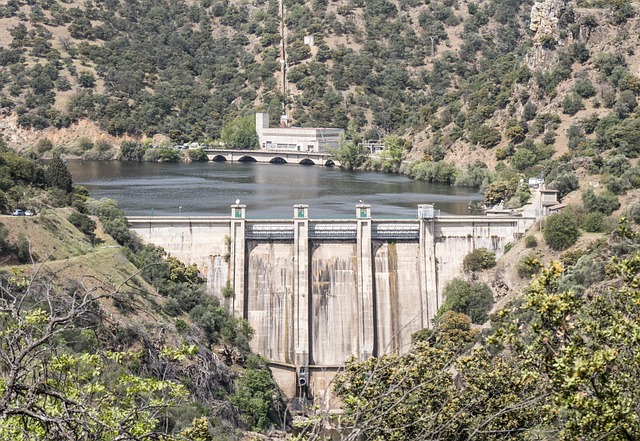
x=272, y=157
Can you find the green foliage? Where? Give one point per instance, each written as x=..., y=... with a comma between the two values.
x=350, y=154
x=240, y=133
x=479, y=259
x=197, y=155
x=114, y=222
x=523, y=158
x=530, y=242
x=572, y=104
x=594, y=222
x=563, y=181
x=471, y=298
x=131, y=151
x=605, y=203
x=585, y=88
x=58, y=176
x=256, y=394
x=561, y=230
x=440, y=171
x=51, y=393
x=83, y=223
x=484, y=136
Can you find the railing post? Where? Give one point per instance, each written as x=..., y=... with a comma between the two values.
x=365, y=281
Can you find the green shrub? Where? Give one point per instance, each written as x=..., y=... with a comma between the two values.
x=572, y=104
x=633, y=212
x=593, y=222
x=197, y=155
x=83, y=223
x=528, y=266
x=256, y=394
x=523, y=158
x=23, y=250
x=615, y=185
x=605, y=203
x=561, y=230
x=471, y=298
x=479, y=259
x=585, y=88
x=485, y=136
x=530, y=242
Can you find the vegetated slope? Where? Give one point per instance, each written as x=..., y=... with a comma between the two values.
x=154, y=311
x=185, y=68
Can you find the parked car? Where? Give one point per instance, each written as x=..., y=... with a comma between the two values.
x=18, y=212
x=28, y=213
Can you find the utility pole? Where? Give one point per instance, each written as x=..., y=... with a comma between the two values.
x=433, y=39
x=283, y=52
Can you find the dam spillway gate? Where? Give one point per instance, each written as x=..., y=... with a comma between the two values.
x=317, y=292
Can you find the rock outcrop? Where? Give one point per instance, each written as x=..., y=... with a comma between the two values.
x=544, y=22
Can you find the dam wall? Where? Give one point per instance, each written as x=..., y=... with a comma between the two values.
x=317, y=292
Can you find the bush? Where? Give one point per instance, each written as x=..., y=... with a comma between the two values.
x=523, y=158
x=485, y=136
x=530, y=242
x=479, y=259
x=605, y=203
x=572, y=104
x=585, y=88
x=528, y=266
x=561, y=230
x=23, y=250
x=594, y=222
x=633, y=212
x=83, y=223
x=471, y=298
x=564, y=182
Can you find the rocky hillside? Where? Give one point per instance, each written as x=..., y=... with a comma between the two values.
x=484, y=93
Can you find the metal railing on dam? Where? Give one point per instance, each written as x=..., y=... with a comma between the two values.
x=319, y=291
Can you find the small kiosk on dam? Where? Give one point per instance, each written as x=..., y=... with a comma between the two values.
x=317, y=292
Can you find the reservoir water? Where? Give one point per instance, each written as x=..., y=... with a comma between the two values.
x=268, y=190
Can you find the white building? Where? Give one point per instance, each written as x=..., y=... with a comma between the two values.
x=296, y=139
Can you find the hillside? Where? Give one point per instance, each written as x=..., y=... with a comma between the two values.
x=483, y=93
x=119, y=299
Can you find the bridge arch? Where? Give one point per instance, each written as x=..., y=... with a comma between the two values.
x=277, y=160
x=247, y=158
x=329, y=163
x=306, y=161
x=219, y=158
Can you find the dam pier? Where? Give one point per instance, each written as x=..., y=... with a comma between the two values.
x=318, y=291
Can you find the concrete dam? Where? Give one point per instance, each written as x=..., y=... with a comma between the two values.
x=317, y=292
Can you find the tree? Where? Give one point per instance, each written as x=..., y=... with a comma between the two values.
x=561, y=230
x=350, y=154
x=471, y=298
x=57, y=175
x=240, y=133
x=48, y=392
x=479, y=259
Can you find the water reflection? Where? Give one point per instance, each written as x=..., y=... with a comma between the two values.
x=268, y=190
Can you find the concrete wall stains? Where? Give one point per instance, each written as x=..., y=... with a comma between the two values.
x=398, y=296
x=319, y=292
x=334, y=307
x=269, y=302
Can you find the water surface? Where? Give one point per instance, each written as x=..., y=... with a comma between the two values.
x=268, y=190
